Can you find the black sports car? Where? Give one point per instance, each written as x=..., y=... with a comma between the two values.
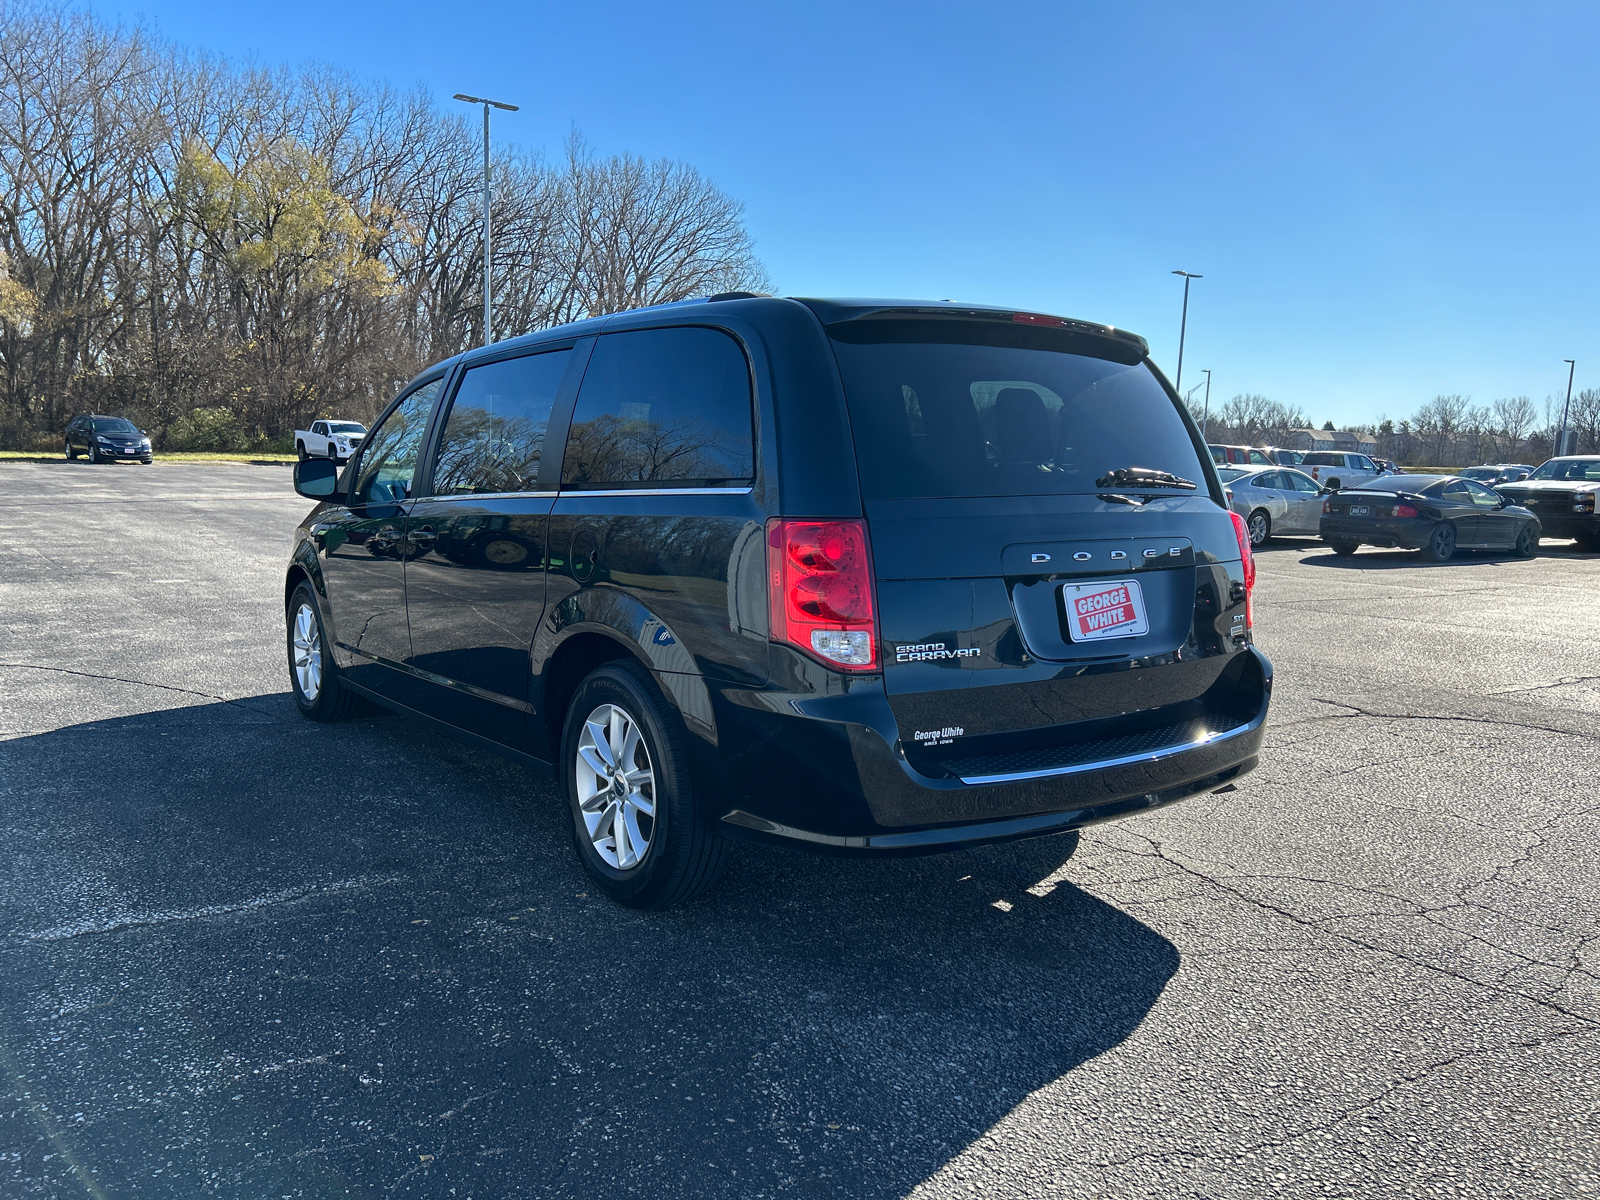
x=1437, y=514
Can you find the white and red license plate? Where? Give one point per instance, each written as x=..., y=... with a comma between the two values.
x=1113, y=609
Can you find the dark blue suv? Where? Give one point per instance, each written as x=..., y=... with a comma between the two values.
x=856, y=576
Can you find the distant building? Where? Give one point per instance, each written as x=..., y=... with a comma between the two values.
x=1330, y=439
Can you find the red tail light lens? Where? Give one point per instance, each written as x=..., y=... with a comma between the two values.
x=1241, y=532
x=1327, y=506
x=1404, y=510
x=819, y=591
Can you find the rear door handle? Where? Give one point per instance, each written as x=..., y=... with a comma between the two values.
x=423, y=535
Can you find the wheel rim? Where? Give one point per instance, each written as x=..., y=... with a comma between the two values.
x=1258, y=528
x=505, y=553
x=1444, y=541
x=307, y=653
x=616, y=787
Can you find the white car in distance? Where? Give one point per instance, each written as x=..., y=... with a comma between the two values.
x=1278, y=500
x=337, y=440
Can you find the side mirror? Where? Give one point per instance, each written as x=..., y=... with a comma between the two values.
x=1327, y=490
x=317, y=479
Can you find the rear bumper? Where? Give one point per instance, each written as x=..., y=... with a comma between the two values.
x=847, y=786
x=1406, y=534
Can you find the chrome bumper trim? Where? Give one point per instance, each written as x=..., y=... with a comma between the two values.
x=1128, y=760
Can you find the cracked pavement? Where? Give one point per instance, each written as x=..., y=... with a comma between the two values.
x=244, y=955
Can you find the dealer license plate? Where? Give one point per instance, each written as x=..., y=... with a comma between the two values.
x=1359, y=510
x=1113, y=609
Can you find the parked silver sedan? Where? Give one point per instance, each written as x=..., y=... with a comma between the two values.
x=1279, y=500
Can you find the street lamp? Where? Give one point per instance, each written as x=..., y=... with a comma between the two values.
x=1561, y=438
x=488, y=272
x=1184, y=327
x=1205, y=422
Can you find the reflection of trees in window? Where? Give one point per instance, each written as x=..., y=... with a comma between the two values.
x=390, y=458
x=612, y=449
x=487, y=453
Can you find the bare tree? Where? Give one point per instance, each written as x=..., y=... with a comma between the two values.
x=180, y=233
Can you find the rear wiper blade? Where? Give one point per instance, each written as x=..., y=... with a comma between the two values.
x=1136, y=477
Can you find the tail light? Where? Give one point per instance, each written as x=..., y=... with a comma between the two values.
x=1404, y=510
x=1241, y=532
x=1327, y=506
x=819, y=591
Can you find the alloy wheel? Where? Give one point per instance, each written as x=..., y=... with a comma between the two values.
x=307, y=653
x=1258, y=527
x=616, y=787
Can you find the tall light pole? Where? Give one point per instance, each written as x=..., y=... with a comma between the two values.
x=1561, y=438
x=1205, y=422
x=488, y=270
x=1184, y=327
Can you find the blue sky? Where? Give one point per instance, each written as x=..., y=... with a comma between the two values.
x=1387, y=201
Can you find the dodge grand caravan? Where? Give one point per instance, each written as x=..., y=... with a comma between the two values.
x=854, y=576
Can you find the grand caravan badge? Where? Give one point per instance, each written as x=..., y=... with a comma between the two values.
x=927, y=651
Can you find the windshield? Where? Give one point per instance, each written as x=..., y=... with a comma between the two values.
x=114, y=425
x=1569, y=468
x=980, y=408
x=345, y=427
x=1481, y=474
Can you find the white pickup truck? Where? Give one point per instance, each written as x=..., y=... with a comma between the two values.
x=1339, y=470
x=337, y=440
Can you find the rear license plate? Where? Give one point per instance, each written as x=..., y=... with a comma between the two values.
x=1109, y=609
x=1359, y=510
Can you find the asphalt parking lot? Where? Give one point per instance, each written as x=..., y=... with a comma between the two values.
x=245, y=955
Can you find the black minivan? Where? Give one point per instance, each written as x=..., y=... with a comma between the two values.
x=849, y=575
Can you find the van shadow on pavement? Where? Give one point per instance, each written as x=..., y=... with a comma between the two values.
x=245, y=954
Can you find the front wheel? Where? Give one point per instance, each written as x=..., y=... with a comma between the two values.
x=1344, y=548
x=1260, y=527
x=313, y=675
x=636, y=824
x=1589, y=543
x=1441, y=544
x=1528, y=542
x=94, y=455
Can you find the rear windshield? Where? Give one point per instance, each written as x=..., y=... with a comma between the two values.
x=1321, y=458
x=1399, y=483
x=1569, y=468
x=976, y=408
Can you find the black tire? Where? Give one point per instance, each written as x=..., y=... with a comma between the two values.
x=332, y=701
x=683, y=855
x=300, y=451
x=1441, y=543
x=1344, y=548
x=94, y=455
x=1259, y=523
x=1589, y=543
x=1528, y=542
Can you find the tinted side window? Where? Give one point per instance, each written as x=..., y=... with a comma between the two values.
x=661, y=406
x=1483, y=497
x=494, y=437
x=1302, y=484
x=389, y=461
